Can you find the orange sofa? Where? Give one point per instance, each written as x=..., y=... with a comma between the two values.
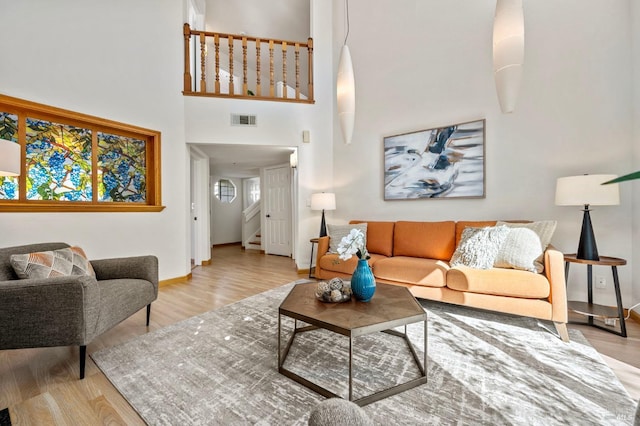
x=417, y=254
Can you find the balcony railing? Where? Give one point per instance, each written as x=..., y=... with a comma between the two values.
x=215, y=75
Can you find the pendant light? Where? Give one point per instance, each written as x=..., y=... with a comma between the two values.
x=346, y=89
x=508, y=51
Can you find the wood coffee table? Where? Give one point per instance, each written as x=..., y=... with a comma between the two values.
x=391, y=306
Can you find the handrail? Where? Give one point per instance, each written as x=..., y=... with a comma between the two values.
x=251, y=66
x=251, y=211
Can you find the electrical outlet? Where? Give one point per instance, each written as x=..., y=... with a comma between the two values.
x=601, y=282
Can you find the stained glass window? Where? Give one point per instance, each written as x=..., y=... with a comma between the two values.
x=121, y=168
x=9, y=131
x=58, y=161
x=77, y=162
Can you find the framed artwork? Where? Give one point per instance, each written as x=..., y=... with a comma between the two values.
x=445, y=162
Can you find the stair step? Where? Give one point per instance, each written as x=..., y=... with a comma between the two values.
x=257, y=243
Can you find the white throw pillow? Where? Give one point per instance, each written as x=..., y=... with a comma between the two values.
x=544, y=229
x=519, y=250
x=479, y=247
x=337, y=232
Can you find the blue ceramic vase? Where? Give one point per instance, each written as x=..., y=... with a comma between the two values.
x=363, y=284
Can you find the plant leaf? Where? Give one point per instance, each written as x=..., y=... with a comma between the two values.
x=630, y=176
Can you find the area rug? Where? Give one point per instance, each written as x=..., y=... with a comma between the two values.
x=483, y=368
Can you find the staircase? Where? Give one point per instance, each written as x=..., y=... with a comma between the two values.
x=251, y=237
x=254, y=243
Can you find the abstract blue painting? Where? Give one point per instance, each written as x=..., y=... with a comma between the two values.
x=444, y=162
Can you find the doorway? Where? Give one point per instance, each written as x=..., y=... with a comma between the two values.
x=245, y=163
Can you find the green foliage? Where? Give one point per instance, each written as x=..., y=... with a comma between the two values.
x=630, y=176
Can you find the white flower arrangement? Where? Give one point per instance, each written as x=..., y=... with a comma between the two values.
x=352, y=244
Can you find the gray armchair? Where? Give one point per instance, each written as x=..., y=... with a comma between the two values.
x=64, y=311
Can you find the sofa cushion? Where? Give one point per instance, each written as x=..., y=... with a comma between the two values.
x=473, y=223
x=500, y=282
x=55, y=263
x=338, y=232
x=544, y=229
x=429, y=240
x=479, y=247
x=379, y=237
x=332, y=263
x=411, y=270
x=519, y=250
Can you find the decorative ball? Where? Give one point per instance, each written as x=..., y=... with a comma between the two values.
x=335, y=284
x=323, y=286
x=336, y=296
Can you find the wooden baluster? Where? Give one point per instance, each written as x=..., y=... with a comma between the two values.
x=258, y=87
x=284, y=69
x=203, y=58
x=187, y=69
x=297, y=70
x=310, y=62
x=216, y=41
x=272, y=92
x=231, y=89
x=244, y=66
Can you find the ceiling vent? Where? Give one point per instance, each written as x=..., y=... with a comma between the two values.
x=243, y=120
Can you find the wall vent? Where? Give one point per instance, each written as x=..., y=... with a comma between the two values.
x=243, y=120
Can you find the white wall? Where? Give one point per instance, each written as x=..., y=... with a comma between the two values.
x=420, y=65
x=281, y=124
x=226, y=218
x=118, y=60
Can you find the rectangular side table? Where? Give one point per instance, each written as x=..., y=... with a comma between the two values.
x=589, y=308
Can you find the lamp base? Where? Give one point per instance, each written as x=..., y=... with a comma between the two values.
x=587, y=249
x=323, y=226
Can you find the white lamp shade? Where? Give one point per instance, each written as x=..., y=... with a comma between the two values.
x=9, y=158
x=323, y=201
x=346, y=94
x=587, y=189
x=508, y=51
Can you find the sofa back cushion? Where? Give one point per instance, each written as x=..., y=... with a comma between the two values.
x=429, y=240
x=473, y=223
x=379, y=237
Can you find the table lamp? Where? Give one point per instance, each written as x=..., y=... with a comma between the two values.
x=9, y=158
x=323, y=201
x=586, y=190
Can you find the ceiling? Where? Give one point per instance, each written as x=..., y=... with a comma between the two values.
x=280, y=19
x=243, y=161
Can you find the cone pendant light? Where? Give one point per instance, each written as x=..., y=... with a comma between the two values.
x=346, y=89
x=508, y=51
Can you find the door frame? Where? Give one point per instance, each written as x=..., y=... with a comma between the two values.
x=200, y=207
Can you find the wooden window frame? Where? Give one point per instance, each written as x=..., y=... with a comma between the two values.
x=23, y=109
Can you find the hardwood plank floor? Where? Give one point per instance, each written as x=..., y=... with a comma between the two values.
x=41, y=386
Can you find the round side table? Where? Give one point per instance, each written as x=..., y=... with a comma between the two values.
x=589, y=308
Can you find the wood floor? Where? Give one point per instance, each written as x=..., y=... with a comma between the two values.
x=41, y=386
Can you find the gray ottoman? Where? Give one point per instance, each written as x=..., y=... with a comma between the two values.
x=338, y=412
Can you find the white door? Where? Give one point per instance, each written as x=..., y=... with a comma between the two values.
x=277, y=211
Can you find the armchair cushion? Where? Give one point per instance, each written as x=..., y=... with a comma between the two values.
x=56, y=263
